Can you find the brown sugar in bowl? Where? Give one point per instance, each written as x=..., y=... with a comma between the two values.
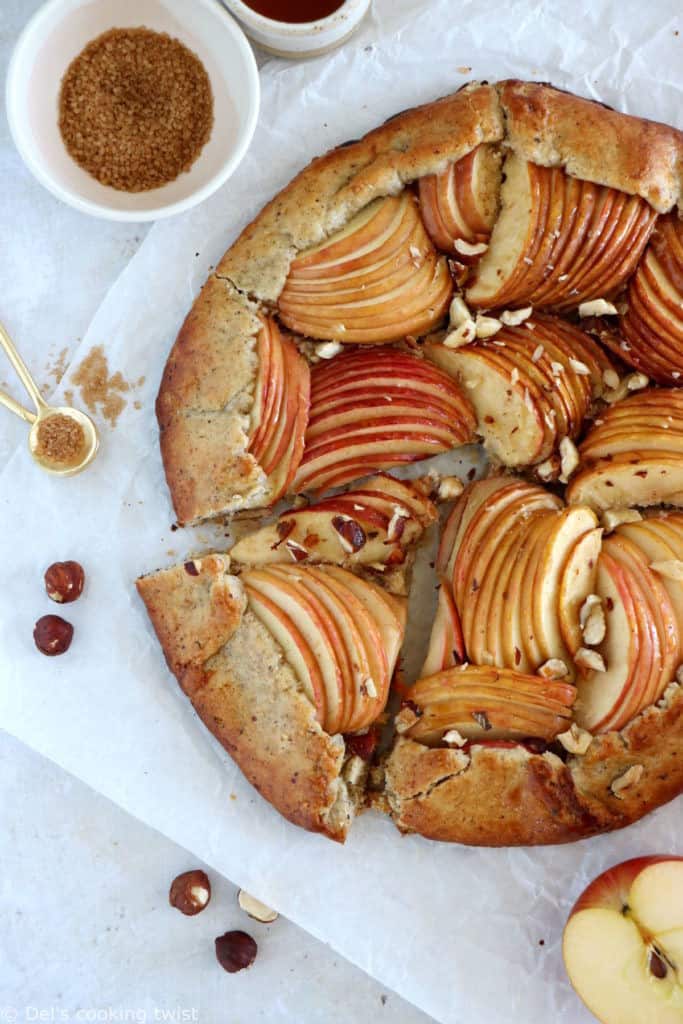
x=60, y=30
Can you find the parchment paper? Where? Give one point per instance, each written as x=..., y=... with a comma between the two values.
x=469, y=935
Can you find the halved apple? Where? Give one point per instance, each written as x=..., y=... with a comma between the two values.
x=653, y=323
x=623, y=943
x=340, y=634
x=477, y=701
x=376, y=409
x=375, y=524
x=634, y=453
x=375, y=281
x=530, y=385
x=557, y=242
x=446, y=644
x=280, y=409
x=460, y=203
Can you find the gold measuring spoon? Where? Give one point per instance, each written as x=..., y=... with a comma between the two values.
x=62, y=440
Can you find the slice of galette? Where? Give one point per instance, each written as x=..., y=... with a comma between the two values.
x=288, y=659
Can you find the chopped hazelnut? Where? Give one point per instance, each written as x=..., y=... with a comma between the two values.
x=450, y=487
x=592, y=619
x=575, y=740
x=569, y=458
x=631, y=777
x=351, y=534
x=637, y=381
x=255, y=909
x=514, y=317
x=589, y=661
x=486, y=326
x=554, y=668
x=578, y=367
x=597, y=307
x=458, y=313
x=469, y=248
x=462, y=335
x=610, y=379
x=328, y=349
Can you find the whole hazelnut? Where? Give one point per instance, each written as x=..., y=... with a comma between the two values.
x=53, y=635
x=190, y=892
x=235, y=951
x=64, y=582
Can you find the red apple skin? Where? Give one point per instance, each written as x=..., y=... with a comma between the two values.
x=611, y=889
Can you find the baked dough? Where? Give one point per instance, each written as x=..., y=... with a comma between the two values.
x=230, y=666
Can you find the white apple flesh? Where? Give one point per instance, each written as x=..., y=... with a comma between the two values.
x=623, y=943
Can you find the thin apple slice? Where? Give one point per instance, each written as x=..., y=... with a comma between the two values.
x=641, y=662
x=446, y=644
x=353, y=424
x=493, y=518
x=479, y=548
x=639, y=478
x=623, y=945
x=375, y=281
x=663, y=623
x=460, y=203
x=467, y=505
x=312, y=622
x=361, y=702
x=578, y=581
x=660, y=538
x=575, y=258
x=569, y=527
x=388, y=611
x=485, y=642
x=600, y=694
x=351, y=528
x=633, y=454
x=653, y=323
x=530, y=385
x=295, y=646
x=492, y=703
x=517, y=234
x=509, y=413
x=279, y=410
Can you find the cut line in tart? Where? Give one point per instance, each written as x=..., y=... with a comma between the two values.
x=504, y=266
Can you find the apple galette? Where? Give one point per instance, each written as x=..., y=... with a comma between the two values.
x=504, y=265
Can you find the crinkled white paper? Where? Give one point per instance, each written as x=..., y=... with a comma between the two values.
x=469, y=935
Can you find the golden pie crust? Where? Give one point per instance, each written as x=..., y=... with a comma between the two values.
x=224, y=659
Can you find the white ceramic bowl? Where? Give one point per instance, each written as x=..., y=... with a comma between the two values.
x=59, y=31
x=306, y=39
